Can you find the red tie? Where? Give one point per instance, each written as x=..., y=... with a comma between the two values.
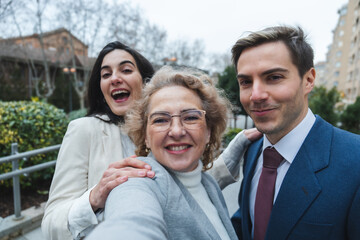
x=265, y=192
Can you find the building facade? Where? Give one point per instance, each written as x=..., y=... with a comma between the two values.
x=342, y=68
x=31, y=69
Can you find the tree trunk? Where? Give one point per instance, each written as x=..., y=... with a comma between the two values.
x=234, y=114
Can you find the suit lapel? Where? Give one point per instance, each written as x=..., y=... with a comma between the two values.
x=251, y=157
x=300, y=186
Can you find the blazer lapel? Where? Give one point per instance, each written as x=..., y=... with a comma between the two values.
x=300, y=186
x=105, y=136
x=251, y=157
x=217, y=199
x=199, y=214
x=106, y=142
x=115, y=144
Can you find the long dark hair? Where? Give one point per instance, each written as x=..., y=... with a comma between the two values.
x=97, y=103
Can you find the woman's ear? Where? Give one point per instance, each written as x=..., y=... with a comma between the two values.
x=146, y=142
x=208, y=135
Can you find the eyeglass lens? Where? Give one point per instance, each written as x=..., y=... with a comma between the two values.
x=190, y=119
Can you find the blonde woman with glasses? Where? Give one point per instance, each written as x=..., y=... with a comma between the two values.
x=178, y=125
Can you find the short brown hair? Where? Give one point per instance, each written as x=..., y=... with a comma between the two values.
x=213, y=103
x=302, y=54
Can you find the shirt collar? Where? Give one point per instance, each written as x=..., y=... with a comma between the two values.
x=289, y=145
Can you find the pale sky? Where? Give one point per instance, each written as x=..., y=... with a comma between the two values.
x=219, y=23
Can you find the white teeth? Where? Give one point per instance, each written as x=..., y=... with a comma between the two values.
x=177, y=148
x=119, y=92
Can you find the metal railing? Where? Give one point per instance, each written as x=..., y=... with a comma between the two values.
x=16, y=172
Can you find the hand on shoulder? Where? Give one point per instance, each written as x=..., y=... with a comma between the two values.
x=252, y=134
x=117, y=173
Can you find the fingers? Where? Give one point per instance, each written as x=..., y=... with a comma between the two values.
x=116, y=174
x=252, y=134
x=130, y=167
x=150, y=174
x=130, y=162
x=137, y=173
x=100, y=192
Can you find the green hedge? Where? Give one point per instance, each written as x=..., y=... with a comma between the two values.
x=229, y=135
x=77, y=114
x=32, y=125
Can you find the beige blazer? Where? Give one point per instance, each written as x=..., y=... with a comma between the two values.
x=88, y=147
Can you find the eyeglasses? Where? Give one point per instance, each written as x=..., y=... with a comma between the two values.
x=190, y=119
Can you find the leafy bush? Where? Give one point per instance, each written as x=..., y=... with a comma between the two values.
x=322, y=102
x=77, y=114
x=351, y=117
x=229, y=135
x=32, y=125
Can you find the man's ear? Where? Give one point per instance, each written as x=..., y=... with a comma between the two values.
x=309, y=80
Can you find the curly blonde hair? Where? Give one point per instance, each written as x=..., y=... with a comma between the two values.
x=215, y=105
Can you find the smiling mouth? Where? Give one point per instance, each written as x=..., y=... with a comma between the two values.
x=261, y=112
x=178, y=148
x=120, y=94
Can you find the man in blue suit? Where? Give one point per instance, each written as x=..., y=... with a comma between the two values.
x=317, y=186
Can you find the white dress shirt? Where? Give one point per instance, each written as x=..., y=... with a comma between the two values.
x=288, y=147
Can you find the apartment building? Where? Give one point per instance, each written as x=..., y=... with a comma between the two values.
x=343, y=58
x=320, y=68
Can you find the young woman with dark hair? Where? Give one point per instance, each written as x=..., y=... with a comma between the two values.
x=96, y=154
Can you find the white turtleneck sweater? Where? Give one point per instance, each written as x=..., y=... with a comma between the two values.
x=192, y=182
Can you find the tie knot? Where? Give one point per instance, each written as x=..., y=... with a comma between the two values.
x=271, y=158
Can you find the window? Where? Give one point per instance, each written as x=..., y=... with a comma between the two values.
x=352, y=59
x=338, y=53
x=336, y=74
x=338, y=64
x=342, y=11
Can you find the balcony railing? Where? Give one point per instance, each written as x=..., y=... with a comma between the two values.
x=16, y=172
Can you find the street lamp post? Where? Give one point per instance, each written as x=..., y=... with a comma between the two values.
x=67, y=71
x=169, y=60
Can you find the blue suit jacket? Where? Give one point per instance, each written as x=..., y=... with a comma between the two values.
x=320, y=194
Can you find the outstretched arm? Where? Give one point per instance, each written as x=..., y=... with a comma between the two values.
x=93, y=201
x=133, y=210
x=226, y=169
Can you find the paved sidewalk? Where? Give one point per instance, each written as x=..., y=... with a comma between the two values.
x=33, y=235
x=31, y=219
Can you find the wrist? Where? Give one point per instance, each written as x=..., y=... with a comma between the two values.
x=93, y=202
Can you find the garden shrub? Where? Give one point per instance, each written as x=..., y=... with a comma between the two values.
x=229, y=135
x=32, y=125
